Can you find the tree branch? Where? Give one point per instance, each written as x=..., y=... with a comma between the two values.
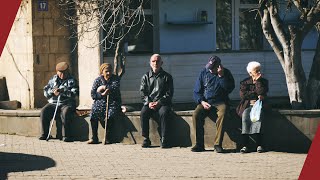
x=277, y=26
x=269, y=33
x=312, y=18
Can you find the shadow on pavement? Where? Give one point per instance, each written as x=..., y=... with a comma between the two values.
x=19, y=162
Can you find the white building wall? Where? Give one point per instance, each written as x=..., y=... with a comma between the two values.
x=16, y=62
x=185, y=68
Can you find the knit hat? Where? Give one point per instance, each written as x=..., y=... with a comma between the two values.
x=213, y=60
x=62, y=66
x=103, y=66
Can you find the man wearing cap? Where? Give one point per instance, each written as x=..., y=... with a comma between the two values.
x=105, y=84
x=61, y=90
x=156, y=91
x=211, y=93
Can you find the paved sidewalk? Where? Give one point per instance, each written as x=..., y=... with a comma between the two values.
x=28, y=158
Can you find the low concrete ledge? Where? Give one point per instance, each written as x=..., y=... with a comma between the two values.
x=20, y=113
x=300, y=112
x=285, y=130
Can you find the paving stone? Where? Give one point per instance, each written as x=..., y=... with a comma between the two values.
x=28, y=158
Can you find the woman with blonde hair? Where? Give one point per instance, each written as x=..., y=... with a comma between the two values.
x=106, y=84
x=252, y=88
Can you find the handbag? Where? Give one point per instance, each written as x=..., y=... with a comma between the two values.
x=256, y=111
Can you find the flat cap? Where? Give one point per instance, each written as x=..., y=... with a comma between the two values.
x=62, y=66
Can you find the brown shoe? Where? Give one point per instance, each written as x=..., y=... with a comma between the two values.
x=93, y=141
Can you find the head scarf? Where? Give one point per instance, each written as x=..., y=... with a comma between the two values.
x=103, y=66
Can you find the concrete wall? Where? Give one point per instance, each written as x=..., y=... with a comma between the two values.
x=38, y=41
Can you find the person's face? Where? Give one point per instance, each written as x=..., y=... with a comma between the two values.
x=254, y=73
x=214, y=70
x=107, y=73
x=62, y=74
x=155, y=63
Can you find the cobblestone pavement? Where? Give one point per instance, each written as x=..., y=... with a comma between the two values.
x=29, y=158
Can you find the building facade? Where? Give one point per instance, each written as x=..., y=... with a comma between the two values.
x=185, y=33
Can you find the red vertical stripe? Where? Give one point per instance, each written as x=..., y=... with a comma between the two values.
x=311, y=167
x=8, y=11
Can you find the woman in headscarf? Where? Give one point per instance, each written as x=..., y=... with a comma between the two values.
x=252, y=88
x=104, y=85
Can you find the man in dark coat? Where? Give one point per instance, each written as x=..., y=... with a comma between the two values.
x=156, y=91
x=211, y=91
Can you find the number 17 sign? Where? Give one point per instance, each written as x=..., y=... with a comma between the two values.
x=43, y=5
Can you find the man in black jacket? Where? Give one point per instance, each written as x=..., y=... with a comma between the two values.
x=156, y=91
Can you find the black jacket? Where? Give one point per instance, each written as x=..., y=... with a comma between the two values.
x=156, y=87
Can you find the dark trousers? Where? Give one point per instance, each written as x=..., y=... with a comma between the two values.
x=164, y=113
x=95, y=125
x=198, y=122
x=256, y=136
x=64, y=116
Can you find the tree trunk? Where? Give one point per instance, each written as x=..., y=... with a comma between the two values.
x=295, y=76
x=286, y=42
x=119, y=59
x=296, y=88
x=313, y=87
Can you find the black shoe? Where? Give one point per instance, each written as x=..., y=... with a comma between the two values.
x=67, y=139
x=197, y=148
x=43, y=137
x=93, y=141
x=218, y=148
x=146, y=143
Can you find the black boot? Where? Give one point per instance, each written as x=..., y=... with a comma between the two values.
x=94, y=127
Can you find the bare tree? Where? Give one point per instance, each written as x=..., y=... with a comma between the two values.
x=286, y=41
x=117, y=19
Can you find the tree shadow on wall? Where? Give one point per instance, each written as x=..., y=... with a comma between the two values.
x=19, y=162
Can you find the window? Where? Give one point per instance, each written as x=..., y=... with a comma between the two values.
x=238, y=25
x=250, y=31
x=139, y=40
x=142, y=42
x=224, y=25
